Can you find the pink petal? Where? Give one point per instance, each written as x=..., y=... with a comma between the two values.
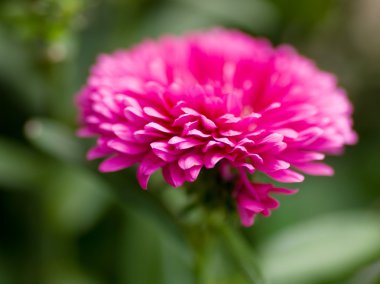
x=190, y=160
x=154, y=113
x=148, y=166
x=117, y=163
x=123, y=132
x=287, y=176
x=192, y=173
x=126, y=147
x=173, y=175
x=212, y=158
x=98, y=152
x=157, y=127
x=272, y=165
x=315, y=169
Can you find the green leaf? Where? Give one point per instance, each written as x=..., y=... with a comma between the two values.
x=74, y=198
x=368, y=275
x=55, y=139
x=322, y=249
x=145, y=204
x=149, y=247
x=254, y=15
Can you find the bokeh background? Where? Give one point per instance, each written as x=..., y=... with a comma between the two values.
x=62, y=222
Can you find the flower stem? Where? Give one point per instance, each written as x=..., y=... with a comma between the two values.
x=242, y=254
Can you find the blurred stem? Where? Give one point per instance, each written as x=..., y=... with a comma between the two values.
x=241, y=253
x=213, y=227
x=213, y=210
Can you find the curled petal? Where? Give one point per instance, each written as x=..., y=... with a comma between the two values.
x=117, y=163
x=192, y=173
x=126, y=147
x=190, y=160
x=174, y=175
x=150, y=163
x=287, y=176
x=319, y=169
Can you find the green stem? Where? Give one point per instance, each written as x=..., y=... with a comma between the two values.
x=242, y=254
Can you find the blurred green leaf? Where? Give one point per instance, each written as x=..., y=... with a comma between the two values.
x=74, y=198
x=368, y=275
x=55, y=139
x=322, y=249
x=185, y=19
x=256, y=16
x=145, y=204
x=150, y=247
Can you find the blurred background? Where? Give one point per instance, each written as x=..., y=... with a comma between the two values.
x=62, y=222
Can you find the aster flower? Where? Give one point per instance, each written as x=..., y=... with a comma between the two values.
x=218, y=99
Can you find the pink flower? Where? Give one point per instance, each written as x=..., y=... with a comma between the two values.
x=181, y=104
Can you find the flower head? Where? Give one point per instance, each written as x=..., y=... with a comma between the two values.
x=218, y=98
